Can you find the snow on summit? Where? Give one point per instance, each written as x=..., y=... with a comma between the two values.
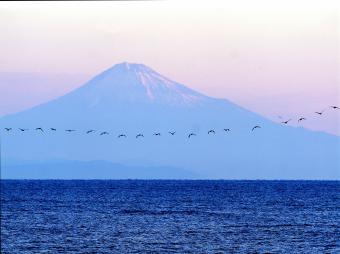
x=139, y=83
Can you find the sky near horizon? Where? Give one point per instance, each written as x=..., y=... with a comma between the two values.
x=277, y=58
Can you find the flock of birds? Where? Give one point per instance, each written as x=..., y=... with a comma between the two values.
x=304, y=118
x=140, y=135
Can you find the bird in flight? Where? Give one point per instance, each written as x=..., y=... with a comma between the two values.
x=335, y=107
x=89, y=131
x=53, y=129
x=104, y=133
x=39, y=129
x=172, y=132
x=8, y=129
x=157, y=134
x=69, y=130
x=255, y=127
x=286, y=122
x=319, y=113
x=122, y=135
x=23, y=129
x=140, y=135
x=211, y=131
x=226, y=129
x=191, y=134
x=301, y=119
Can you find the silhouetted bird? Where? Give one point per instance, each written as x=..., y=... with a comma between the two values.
x=319, y=113
x=255, y=127
x=122, y=135
x=335, y=107
x=211, y=131
x=226, y=129
x=104, y=133
x=89, y=131
x=39, y=129
x=172, y=132
x=23, y=129
x=157, y=134
x=140, y=135
x=69, y=130
x=191, y=134
x=286, y=122
x=53, y=129
x=8, y=129
x=301, y=119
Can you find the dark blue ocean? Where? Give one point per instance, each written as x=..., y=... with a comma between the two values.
x=132, y=216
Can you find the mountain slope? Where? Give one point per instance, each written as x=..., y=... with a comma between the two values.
x=132, y=98
x=145, y=93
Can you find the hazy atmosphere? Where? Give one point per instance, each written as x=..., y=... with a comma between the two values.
x=281, y=60
x=170, y=126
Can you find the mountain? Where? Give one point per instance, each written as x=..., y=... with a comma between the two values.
x=132, y=98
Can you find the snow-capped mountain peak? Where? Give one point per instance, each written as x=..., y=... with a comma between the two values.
x=138, y=83
x=132, y=98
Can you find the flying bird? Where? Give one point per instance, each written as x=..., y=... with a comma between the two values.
x=301, y=119
x=140, y=135
x=255, y=127
x=211, y=131
x=122, y=135
x=286, y=122
x=53, y=129
x=39, y=129
x=319, y=113
x=104, y=133
x=335, y=107
x=172, y=132
x=8, y=129
x=23, y=129
x=226, y=129
x=157, y=134
x=89, y=131
x=69, y=130
x=191, y=134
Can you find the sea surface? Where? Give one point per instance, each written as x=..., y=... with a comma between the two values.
x=158, y=216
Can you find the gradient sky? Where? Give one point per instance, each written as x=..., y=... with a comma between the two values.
x=277, y=58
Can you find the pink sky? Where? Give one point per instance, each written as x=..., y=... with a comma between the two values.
x=271, y=57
